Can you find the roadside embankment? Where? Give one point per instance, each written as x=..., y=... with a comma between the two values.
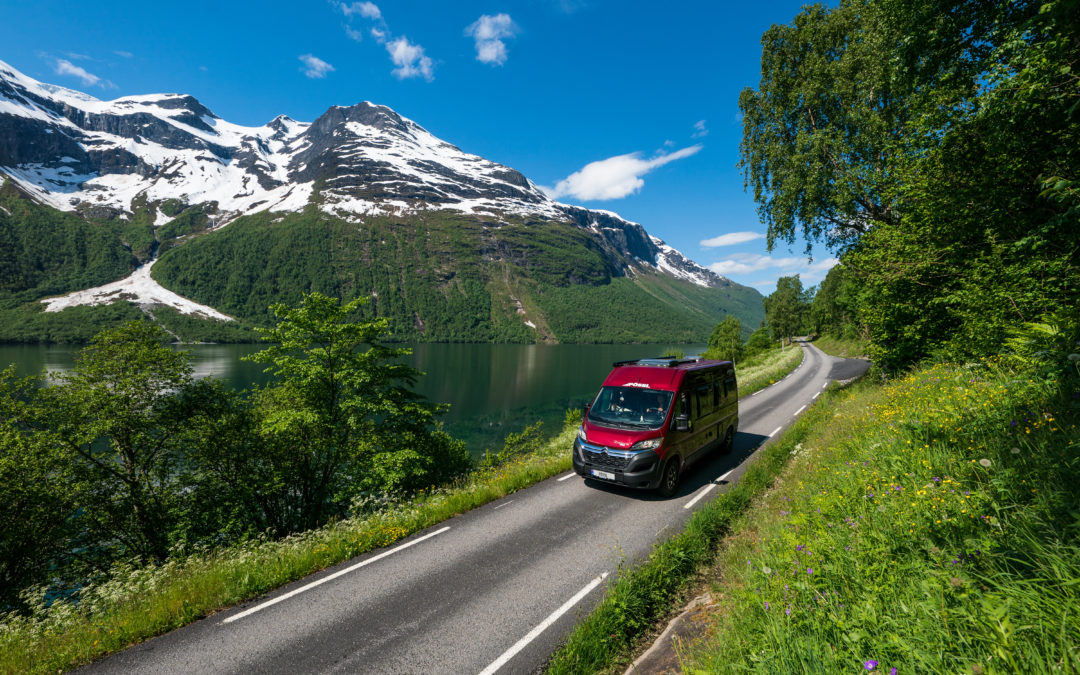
x=931, y=526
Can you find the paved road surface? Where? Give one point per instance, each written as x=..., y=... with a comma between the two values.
x=496, y=589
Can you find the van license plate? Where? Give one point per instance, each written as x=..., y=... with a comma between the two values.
x=606, y=475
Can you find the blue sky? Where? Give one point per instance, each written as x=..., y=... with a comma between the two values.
x=625, y=106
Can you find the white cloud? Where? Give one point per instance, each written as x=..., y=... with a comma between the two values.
x=354, y=34
x=748, y=263
x=121, y=52
x=699, y=130
x=314, y=67
x=745, y=263
x=368, y=10
x=65, y=67
x=489, y=32
x=731, y=238
x=614, y=177
x=410, y=60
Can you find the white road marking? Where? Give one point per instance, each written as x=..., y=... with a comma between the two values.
x=799, y=410
x=535, y=632
x=721, y=478
x=502, y=505
x=816, y=394
x=333, y=576
x=775, y=431
x=567, y=476
x=701, y=493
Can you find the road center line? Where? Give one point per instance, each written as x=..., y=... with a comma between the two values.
x=800, y=410
x=535, y=632
x=775, y=431
x=567, y=476
x=701, y=493
x=335, y=575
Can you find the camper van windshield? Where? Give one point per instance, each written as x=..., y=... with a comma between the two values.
x=631, y=406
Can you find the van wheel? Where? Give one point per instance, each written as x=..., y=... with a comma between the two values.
x=729, y=441
x=669, y=483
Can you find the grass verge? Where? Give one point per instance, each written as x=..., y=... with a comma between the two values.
x=844, y=347
x=766, y=369
x=643, y=594
x=138, y=603
x=931, y=526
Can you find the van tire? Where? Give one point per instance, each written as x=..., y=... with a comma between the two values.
x=669, y=480
x=729, y=441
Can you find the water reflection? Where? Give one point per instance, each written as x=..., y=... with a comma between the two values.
x=492, y=389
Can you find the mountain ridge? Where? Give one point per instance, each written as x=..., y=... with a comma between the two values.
x=152, y=161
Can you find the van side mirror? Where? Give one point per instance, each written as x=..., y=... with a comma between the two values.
x=585, y=411
x=682, y=423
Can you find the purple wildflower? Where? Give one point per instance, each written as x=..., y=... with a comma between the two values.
x=870, y=665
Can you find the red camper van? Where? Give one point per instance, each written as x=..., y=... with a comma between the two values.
x=653, y=417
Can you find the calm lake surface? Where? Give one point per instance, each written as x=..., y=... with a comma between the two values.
x=492, y=390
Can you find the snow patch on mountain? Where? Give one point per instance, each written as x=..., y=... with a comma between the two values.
x=139, y=288
x=679, y=266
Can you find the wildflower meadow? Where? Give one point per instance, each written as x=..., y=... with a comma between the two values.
x=930, y=526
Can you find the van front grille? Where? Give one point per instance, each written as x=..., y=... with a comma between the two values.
x=605, y=458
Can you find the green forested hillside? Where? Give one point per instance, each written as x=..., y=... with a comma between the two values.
x=45, y=252
x=446, y=277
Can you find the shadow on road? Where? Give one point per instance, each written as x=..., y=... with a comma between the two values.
x=706, y=470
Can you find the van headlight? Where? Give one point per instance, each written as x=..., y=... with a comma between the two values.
x=651, y=444
x=581, y=434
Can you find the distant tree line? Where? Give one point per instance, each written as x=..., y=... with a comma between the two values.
x=934, y=145
x=127, y=457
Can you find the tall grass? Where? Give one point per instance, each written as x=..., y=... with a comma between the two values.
x=845, y=347
x=931, y=526
x=765, y=369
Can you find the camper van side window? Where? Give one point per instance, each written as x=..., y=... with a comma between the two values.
x=715, y=394
x=704, y=406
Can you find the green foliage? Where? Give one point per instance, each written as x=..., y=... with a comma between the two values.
x=341, y=418
x=726, y=343
x=527, y=441
x=29, y=322
x=786, y=309
x=38, y=490
x=832, y=311
x=47, y=252
x=759, y=342
x=117, y=412
x=935, y=145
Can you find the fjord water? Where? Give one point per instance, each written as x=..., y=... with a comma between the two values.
x=492, y=390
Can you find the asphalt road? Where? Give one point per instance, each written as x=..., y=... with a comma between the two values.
x=497, y=589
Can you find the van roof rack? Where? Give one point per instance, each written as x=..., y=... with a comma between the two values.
x=662, y=361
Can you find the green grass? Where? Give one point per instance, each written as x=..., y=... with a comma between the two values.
x=765, y=369
x=844, y=347
x=931, y=526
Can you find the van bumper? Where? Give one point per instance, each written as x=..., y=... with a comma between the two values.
x=643, y=470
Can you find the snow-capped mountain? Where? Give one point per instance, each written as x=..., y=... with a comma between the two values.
x=77, y=153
